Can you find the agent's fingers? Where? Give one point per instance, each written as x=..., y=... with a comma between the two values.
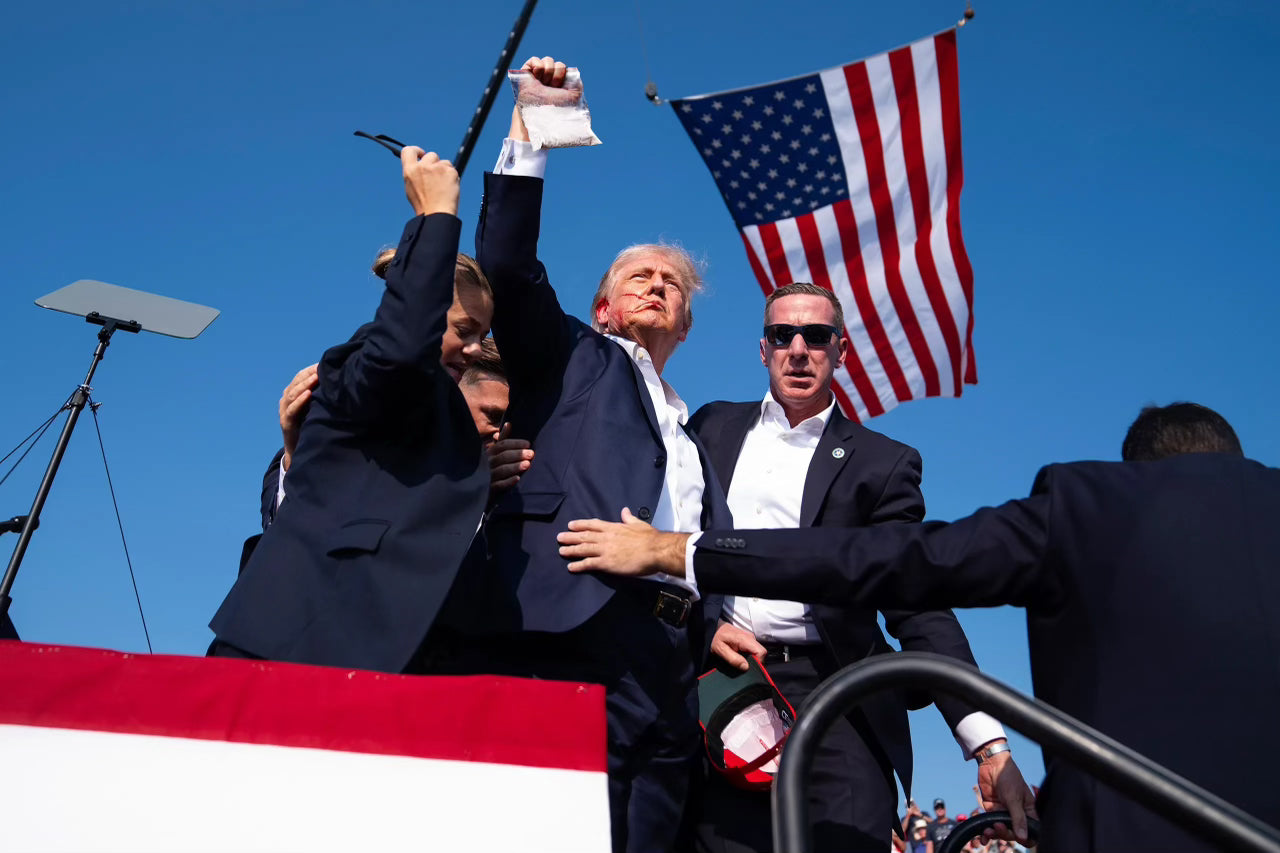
x=584, y=565
x=503, y=485
x=499, y=457
x=411, y=154
x=592, y=524
x=508, y=472
x=511, y=449
x=299, y=403
x=307, y=377
x=558, y=72
x=731, y=657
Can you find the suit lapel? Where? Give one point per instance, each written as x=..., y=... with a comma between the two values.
x=726, y=445
x=642, y=388
x=833, y=452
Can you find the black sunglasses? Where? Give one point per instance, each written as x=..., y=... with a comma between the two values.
x=814, y=334
x=395, y=146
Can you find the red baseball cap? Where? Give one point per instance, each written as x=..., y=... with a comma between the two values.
x=745, y=721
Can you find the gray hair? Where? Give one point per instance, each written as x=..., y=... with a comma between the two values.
x=688, y=269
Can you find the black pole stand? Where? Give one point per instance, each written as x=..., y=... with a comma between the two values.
x=491, y=88
x=78, y=400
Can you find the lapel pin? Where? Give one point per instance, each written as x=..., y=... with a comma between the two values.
x=838, y=453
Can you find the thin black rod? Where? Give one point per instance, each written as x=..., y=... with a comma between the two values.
x=1192, y=808
x=78, y=399
x=491, y=88
x=41, y=430
x=102, y=447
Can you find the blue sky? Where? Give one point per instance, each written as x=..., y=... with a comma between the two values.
x=1119, y=210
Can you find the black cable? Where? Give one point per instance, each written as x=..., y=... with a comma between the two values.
x=42, y=429
x=93, y=407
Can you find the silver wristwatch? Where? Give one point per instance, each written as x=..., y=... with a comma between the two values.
x=984, y=755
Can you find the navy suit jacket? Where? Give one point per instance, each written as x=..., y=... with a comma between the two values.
x=270, y=489
x=1153, y=615
x=580, y=400
x=388, y=484
x=871, y=479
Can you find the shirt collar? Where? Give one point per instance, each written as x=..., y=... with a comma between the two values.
x=641, y=357
x=771, y=412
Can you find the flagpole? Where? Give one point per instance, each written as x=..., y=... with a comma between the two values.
x=968, y=16
x=491, y=88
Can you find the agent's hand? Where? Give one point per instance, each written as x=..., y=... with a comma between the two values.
x=546, y=71
x=731, y=643
x=430, y=184
x=628, y=548
x=294, y=402
x=1002, y=787
x=508, y=459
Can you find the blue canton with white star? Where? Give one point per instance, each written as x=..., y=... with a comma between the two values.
x=772, y=150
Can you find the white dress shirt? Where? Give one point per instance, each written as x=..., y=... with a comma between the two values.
x=767, y=488
x=679, y=508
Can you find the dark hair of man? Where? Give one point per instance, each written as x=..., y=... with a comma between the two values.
x=466, y=272
x=807, y=289
x=1163, y=431
x=488, y=365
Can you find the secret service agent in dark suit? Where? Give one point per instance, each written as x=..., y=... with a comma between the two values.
x=1151, y=593
x=390, y=480
x=778, y=458
x=483, y=386
x=586, y=404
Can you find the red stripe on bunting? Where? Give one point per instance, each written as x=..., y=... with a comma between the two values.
x=480, y=718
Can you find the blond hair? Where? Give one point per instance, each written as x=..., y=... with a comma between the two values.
x=465, y=271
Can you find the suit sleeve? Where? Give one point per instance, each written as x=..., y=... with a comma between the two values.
x=529, y=326
x=383, y=372
x=995, y=556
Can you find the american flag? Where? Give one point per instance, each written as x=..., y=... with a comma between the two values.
x=850, y=179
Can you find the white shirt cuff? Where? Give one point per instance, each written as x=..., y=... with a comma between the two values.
x=280, y=487
x=519, y=158
x=688, y=558
x=975, y=730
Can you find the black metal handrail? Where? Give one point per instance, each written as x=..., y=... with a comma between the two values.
x=1192, y=808
x=979, y=823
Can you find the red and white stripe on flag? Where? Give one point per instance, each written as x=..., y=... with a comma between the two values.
x=105, y=751
x=850, y=179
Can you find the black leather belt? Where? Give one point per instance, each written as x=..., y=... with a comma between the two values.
x=668, y=603
x=775, y=652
